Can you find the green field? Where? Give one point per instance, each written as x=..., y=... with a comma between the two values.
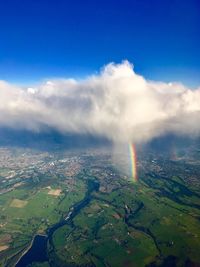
x=113, y=221
x=38, y=212
x=132, y=226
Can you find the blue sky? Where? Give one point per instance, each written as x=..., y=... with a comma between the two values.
x=44, y=38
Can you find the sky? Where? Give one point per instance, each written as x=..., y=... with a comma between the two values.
x=43, y=39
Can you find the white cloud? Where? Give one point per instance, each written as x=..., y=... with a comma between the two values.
x=118, y=104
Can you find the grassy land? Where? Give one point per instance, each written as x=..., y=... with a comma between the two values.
x=23, y=213
x=148, y=223
x=132, y=226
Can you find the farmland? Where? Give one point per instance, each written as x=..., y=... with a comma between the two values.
x=91, y=214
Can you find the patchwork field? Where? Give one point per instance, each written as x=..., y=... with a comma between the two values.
x=2, y=248
x=17, y=203
x=99, y=217
x=55, y=192
x=131, y=225
x=25, y=212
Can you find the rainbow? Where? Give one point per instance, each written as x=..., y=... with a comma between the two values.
x=133, y=162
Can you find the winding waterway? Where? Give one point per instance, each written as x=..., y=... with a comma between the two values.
x=38, y=250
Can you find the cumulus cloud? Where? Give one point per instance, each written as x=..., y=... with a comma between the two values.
x=117, y=103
